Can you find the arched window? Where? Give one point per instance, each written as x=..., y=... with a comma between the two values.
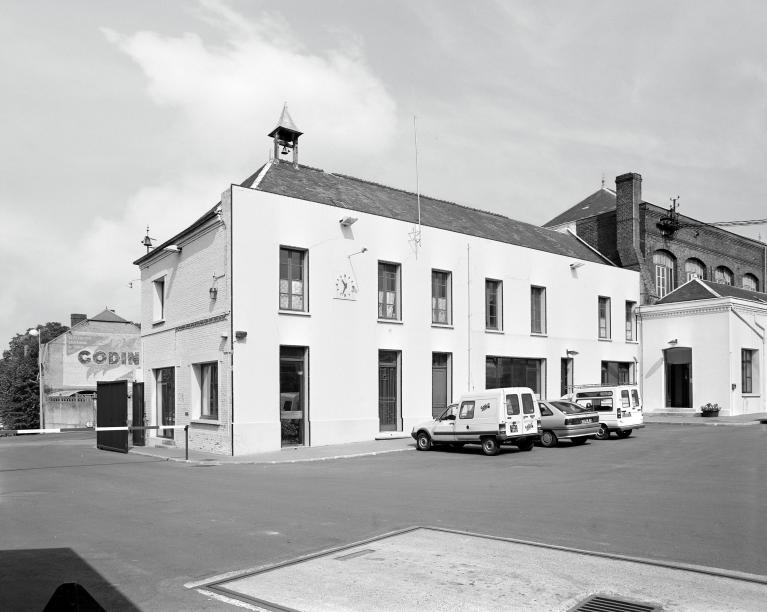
x=723, y=275
x=664, y=263
x=694, y=268
x=750, y=282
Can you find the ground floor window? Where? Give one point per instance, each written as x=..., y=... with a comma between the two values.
x=293, y=392
x=618, y=373
x=566, y=376
x=165, y=396
x=206, y=393
x=748, y=367
x=515, y=372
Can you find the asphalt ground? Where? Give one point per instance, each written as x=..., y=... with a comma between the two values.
x=134, y=530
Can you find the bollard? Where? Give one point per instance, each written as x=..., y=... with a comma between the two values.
x=186, y=442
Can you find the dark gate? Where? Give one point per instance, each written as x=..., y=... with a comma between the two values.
x=139, y=435
x=112, y=411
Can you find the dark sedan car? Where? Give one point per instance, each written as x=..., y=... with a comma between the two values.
x=563, y=420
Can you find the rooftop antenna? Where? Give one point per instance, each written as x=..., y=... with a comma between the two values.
x=415, y=234
x=603, y=180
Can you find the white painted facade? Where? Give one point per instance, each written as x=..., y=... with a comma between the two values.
x=343, y=336
x=716, y=331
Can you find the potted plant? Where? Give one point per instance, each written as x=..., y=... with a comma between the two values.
x=709, y=410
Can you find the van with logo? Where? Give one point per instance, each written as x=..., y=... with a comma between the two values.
x=619, y=407
x=490, y=418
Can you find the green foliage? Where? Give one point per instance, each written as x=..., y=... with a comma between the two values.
x=709, y=408
x=19, y=381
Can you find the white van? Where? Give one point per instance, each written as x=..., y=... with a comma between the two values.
x=490, y=418
x=619, y=407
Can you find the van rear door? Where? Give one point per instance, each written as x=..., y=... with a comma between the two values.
x=515, y=421
x=529, y=418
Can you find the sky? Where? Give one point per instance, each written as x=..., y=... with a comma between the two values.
x=116, y=116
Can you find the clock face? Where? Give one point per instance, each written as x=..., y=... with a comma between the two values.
x=345, y=286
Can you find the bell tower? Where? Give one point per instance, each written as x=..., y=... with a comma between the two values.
x=285, y=137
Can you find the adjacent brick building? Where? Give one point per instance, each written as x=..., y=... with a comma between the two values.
x=625, y=228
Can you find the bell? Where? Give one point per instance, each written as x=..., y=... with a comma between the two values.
x=285, y=150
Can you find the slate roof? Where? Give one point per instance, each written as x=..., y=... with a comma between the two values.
x=698, y=289
x=601, y=201
x=108, y=316
x=351, y=193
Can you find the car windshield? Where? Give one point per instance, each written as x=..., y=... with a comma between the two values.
x=451, y=409
x=569, y=407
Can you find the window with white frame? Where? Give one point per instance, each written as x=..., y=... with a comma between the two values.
x=538, y=310
x=441, y=301
x=604, y=317
x=158, y=299
x=631, y=321
x=749, y=371
x=664, y=263
x=493, y=304
x=750, y=282
x=293, y=279
x=694, y=268
x=723, y=275
x=389, y=293
x=205, y=393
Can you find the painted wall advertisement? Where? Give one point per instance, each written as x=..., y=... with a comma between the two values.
x=92, y=357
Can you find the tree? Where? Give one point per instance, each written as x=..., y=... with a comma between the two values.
x=19, y=380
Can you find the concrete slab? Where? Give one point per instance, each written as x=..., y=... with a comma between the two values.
x=433, y=569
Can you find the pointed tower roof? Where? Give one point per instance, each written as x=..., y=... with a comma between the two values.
x=285, y=123
x=108, y=315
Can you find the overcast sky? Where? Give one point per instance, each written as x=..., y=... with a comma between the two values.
x=118, y=115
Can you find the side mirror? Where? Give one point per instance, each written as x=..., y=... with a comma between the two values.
x=450, y=417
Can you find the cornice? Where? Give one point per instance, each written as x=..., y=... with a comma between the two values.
x=668, y=313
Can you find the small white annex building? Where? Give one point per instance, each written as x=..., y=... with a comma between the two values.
x=311, y=308
x=705, y=342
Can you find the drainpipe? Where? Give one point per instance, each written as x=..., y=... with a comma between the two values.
x=468, y=316
x=762, y=368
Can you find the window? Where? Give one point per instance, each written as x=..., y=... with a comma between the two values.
x=503, y=372
x=158, y=302
x=528, y=404
x=467, y=410
x=604, y=318
x=747, y=358
x=544, y=409
x=441, y=306
x=512, y=405
x=538, y=310
x=206, y=400
x=625, y=399
x=723, y=275
x=388, y=291
x=493, y=304
x=750, y=282
x=617, y=373
x=694, y=268
x=664, y=263
x=292, y=280
x=631, y=321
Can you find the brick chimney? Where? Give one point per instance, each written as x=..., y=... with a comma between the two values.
x=74, y=319
x=628, y=189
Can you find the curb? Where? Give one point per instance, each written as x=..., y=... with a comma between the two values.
x=748, y=424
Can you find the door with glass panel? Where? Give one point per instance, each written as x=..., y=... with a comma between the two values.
x=292, y=395
x=166, y=400
x=388, y=390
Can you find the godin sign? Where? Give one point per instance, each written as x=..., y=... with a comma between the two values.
x=111, y=358
x=91, y=356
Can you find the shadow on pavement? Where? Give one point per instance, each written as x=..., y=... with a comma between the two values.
x=30, y=577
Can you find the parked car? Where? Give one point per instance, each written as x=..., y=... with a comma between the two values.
x=490, y=418
x=619, y=407
x=563, y=420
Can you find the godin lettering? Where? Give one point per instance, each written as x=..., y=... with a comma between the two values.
x=110, y=358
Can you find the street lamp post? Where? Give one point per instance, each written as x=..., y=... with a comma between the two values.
x=36, y=332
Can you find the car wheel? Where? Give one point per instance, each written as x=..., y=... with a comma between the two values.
x=625, y=434
x=423, y=441
x=603, y=433
x=579, y=440
x=548, y=439
x=527, y=444
x=490, y=446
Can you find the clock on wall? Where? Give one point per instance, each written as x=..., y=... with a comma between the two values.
x=346, y=287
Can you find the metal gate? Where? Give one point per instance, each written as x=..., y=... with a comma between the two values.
x=139, y=435
x=112, y=411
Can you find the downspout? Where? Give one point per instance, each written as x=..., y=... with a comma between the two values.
x=468, y=316
x=763, y=369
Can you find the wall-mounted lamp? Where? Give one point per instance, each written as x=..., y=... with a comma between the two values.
x=240, y=335
x=673, y=341
x=213, y=292
x=364, y=250
x=576, y=264
x=570, y=353
x=172, y=248
x=347, y=221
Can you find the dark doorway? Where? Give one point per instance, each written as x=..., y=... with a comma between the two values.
x=166, y=400
x=388, y=390
x=139, y=435
x=112, y=411
x=566, y=373
x=440, y=383
x=678, y=363
x=292, y=395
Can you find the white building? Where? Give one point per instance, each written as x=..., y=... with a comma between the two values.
x=313, y=308
x=705, y=343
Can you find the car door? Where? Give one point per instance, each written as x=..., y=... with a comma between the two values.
x=444, y=427
x=464, y=424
